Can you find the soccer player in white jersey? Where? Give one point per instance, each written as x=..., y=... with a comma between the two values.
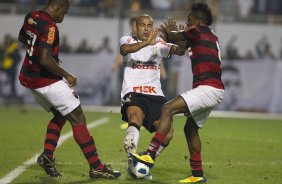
x=142, y=96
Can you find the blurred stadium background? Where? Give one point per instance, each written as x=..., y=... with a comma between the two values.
x=249, y=32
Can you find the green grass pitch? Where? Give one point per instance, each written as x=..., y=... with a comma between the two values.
x=234, y=151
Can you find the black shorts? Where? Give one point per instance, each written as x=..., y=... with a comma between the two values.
x=151, y=106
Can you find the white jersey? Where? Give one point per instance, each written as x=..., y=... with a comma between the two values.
x=142, y=68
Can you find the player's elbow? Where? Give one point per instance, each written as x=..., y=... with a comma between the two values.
x=21, y=40
x=180, y=51
x=122, y=50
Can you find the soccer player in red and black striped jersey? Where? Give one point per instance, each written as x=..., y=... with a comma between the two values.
x=51, y=86
x=207, y=92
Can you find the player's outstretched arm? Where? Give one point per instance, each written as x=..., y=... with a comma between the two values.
x=177, y=50
x=131, y=48
x=49, y=63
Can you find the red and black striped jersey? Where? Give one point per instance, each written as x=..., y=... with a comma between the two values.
x=38, y=31
x=205, y=56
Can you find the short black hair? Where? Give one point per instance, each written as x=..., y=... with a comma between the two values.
x=61, y=3
x=203, y=12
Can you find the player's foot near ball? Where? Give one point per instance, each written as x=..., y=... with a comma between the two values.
x=193, y=179
x=143, y=158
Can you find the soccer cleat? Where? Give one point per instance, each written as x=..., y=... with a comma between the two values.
x=106, y=173
x=193, y=179
x=123, y=126
x=129, y=144
x=144, y=158
x=48, y=165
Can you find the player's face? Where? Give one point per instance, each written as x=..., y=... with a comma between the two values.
x=144, y=27
x=192, y=20
x=60, y=14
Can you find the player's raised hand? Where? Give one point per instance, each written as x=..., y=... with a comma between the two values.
x=71, y=80
x=152, y=39
x=181, y=27
x=169, y=25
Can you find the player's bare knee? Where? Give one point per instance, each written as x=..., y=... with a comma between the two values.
x=167, y=110
x=135, y=117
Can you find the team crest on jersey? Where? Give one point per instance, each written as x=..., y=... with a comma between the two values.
x=31, y=21
x=154, y=50
x=129, y=40
x=126, y=100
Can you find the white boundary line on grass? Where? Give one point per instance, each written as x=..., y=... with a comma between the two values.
x=19, y=170
x=216, y=114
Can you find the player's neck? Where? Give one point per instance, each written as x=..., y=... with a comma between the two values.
x=49, y=11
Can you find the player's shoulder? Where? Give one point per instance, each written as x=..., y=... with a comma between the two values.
x=192, y=28
x=162, y=42
x=127, y=39
x=43, y=18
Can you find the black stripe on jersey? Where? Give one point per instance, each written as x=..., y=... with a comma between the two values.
x=208, y=44
x=205, y=58
x=191, y=31
x=205, y=29
x=29, y=73
x=206, y=75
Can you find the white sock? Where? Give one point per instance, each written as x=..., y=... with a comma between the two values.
x=133, y=132
x=160, y=150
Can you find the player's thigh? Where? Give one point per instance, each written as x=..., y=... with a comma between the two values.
x=175, y=106
x=76, y=116
x=201, y=101
x=151, y=120
x=41, y=100
x=59, y=96
x=135, y=114
x=133, y=108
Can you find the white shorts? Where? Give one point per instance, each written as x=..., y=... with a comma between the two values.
x=201, y=101
x=58, y=95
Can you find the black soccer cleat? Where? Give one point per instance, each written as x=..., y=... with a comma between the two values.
x=106, y=173
x=48, y=165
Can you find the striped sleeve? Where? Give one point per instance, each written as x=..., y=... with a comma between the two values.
x=48, y=35
x=192, y=34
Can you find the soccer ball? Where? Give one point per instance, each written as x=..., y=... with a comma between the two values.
x=138, y=169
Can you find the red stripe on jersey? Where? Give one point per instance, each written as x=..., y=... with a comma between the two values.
x=200, y=49
x=192, y=34
x=206, y=67
x=34, y=83
x=210, y=82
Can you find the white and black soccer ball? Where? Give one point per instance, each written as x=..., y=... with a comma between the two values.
x=138, y=169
